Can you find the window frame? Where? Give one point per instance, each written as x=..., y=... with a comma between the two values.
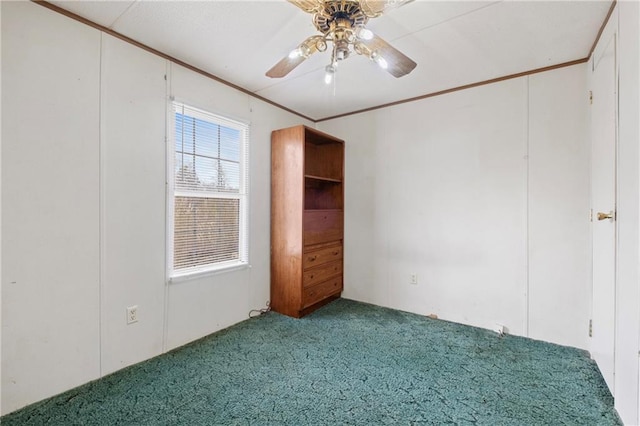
x=175, y=275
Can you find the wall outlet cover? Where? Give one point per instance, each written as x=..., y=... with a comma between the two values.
x=132, y=314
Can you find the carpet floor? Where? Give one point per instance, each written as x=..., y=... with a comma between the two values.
x=347, y=363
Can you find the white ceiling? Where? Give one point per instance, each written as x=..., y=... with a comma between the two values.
x=454, y=43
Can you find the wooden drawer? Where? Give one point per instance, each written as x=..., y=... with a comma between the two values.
x=321, y=256
x=322, y=226
x=311, y=277
x=321, y=291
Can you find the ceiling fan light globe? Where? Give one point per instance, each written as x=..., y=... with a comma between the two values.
x=330, y=70
x=305, y=51
x=364, y=34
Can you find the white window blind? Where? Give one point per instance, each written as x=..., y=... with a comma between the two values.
x=209, y=181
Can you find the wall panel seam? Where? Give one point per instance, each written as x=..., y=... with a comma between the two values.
x=528, y=204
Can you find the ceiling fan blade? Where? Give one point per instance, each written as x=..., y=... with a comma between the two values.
x=375, y=8
x=398, y=64
x=305, y=49
x=309, y=6
x=284, y=66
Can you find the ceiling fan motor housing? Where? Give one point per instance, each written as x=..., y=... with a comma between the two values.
x=339, y=14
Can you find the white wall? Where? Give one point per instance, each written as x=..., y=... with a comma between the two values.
x=132, y=163
x=441, y=198
x=83, y=196
x=460, y=189
x=50, y=202
x=627, y=342
x=559, y=231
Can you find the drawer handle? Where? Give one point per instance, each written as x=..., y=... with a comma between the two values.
x=311, y=276
x=312, y=258
x=335, y=253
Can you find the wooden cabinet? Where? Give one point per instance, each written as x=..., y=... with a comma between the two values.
x=307, y=215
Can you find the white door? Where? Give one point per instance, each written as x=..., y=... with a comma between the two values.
x=603, y=203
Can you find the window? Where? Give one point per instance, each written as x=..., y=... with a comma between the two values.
x=209, y=180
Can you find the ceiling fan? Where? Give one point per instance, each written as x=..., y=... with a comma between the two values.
x=343, y=24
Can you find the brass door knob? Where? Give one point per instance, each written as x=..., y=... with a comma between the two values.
x=602, y=216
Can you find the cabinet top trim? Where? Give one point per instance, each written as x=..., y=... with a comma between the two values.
x=314, y=133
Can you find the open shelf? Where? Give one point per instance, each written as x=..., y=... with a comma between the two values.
x=322, y=194
x=323, y=158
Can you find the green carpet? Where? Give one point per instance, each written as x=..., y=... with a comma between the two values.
x=347, y=363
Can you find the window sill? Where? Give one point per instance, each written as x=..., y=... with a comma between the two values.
x=202, y=273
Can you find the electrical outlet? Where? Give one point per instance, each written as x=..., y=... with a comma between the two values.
x=413, y=279
x=132, y=314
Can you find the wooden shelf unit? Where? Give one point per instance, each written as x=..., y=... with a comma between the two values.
x=307, y=219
